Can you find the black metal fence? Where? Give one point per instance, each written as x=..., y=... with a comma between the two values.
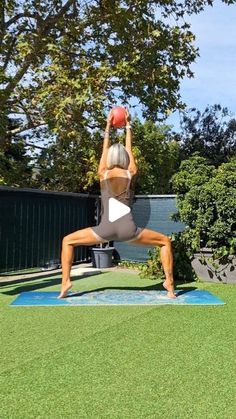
x=33, y=223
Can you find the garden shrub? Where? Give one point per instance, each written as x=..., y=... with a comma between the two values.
x=206, y=204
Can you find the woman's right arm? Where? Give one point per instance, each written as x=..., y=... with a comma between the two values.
x=128, y=145
x=106, y=143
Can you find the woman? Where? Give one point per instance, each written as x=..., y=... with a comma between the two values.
x=116, y=171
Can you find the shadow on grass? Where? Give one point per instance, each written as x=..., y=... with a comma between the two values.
x=44, y=283
x=17, y=273
x=29, y=279
x=40, y=282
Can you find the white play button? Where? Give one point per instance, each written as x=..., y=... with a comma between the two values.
x=116, y=209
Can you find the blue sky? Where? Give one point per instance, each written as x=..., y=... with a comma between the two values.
x=215, y=70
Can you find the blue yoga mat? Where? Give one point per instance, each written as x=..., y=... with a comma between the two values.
x=116, y=297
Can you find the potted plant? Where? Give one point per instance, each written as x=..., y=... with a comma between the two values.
x=102, y=255
x=206, y=202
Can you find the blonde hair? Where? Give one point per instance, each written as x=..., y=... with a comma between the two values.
x=117, y=156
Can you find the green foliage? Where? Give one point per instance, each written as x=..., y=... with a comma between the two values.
x=157, y=155
x=62, y=66
x=193, y=172
x=64, y=63
x=182, y=262
x=130, y=264
x=206, y=203
x=69, y=165
x=211, y=133
x=15, y=169
x=183, y=270
x=153, y=267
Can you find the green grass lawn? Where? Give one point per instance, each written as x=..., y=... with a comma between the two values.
x=117, y=361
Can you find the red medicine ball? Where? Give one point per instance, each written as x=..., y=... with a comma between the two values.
x=119, y=117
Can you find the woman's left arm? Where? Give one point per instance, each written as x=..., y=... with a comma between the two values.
x=106, y=144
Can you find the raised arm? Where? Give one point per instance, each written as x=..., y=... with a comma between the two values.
x=106, y=144
x=128, y=145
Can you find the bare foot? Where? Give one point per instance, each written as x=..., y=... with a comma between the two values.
x=170, y=289
x=64, y=289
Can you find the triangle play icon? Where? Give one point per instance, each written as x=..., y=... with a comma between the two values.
x=116, y=209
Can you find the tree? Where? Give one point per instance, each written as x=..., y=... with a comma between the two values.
x=15, y=169
x=64, y=62
x=158, y=157
x=72, y=165
x=211, y=133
